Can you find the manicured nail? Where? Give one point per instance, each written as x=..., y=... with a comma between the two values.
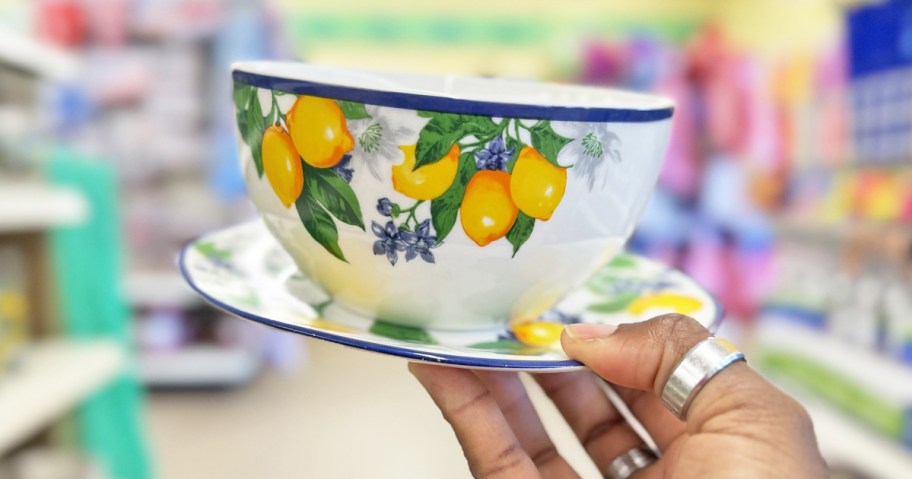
x=590, y=331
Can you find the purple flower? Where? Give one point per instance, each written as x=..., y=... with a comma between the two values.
x=385, y=206
x=419, y=242
x=343, y=168
x=389, y=243
x=495, y=156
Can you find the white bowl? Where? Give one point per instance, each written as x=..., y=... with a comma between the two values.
x=543, y=186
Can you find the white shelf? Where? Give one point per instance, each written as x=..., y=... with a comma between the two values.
x=38, y=58
x=54, y=377
x=29, y=206
x=198, y=366
x=160, y=289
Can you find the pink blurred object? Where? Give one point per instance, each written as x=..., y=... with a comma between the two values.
x=61, y=22
x=681, y=173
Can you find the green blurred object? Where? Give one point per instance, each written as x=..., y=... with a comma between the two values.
x=88, y=267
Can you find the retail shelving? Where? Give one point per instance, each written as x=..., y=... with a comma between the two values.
x=844, y=438
x=30, y=206
x=54, y=376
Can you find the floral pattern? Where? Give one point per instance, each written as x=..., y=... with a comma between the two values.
x=495, y=178
x=592, y=147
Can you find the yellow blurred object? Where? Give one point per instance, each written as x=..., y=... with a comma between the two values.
x=429, y=181
x=676, y=302
x=538, y=333
x=318, y=130
x=882, y=199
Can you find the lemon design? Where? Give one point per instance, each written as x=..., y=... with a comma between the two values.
x=536, y=185
x=282, y=165
x=538, y=333
x=487, y=212
x=429, y=181
x=318, y=130
x=679, y=303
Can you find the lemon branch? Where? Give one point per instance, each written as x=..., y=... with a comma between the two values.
x=411, y=221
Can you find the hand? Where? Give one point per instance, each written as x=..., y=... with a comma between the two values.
x=739, y=425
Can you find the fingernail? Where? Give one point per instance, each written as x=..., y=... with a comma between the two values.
x=590, y=331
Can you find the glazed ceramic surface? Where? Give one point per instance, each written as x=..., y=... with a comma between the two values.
x=445, y=202
x=245, y=272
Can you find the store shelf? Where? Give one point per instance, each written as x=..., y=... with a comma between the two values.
x=38, y=58
x=198, y=366
x=837, y=406
x=845, y=442
x=54, y=376
x=165, y=289
x=29, y=206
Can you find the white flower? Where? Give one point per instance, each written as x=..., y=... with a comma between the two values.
x=591, y=146
x=377, y=139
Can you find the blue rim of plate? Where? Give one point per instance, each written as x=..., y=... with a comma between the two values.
x=417, y=101
x=403, y=352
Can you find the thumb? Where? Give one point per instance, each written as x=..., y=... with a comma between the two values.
x=643, y=355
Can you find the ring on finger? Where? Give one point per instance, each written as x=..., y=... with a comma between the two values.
x=625, y=465
x=695, y=369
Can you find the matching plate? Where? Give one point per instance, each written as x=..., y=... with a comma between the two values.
x=244, y=271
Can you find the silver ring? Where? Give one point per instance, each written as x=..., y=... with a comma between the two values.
x=695, y=369
x=625, y=465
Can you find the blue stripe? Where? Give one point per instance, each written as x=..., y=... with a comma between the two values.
x=414, y=101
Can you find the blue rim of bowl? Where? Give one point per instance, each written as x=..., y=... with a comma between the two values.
x=403, y=352
x=417, y=101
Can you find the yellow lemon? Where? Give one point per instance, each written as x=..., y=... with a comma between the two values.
x=678, y=303
x=537, y=185
x=429, y=181
x=282, y=165
x=538, y=333
x=487, y=212
x=318, y=129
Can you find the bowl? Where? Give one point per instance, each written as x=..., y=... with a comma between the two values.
x=445, y=202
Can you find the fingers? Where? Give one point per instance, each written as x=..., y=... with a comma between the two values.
x=490, y=447
x=601, y=429
x=661, y=424
x=643, y=355
x=517, y=408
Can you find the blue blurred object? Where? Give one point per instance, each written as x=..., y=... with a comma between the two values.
x=246, y=35
x=880, y=37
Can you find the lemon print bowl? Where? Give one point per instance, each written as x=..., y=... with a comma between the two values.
x=444, y=201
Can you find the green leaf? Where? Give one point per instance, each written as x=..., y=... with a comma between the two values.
x=483, y=127
x=402, y=333
x=445, y=207
x=242, y=95
x=516, y=146
x=437, y=138
x=210, y=251
x=521, y=230
x=353, y=110
x=319, y=224
x=614, y=305
x=547, y=141
x=330, y=190
x=256, y=125
x=622, y=260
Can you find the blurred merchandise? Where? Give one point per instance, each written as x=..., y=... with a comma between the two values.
x=50, y=463
x=13, y=308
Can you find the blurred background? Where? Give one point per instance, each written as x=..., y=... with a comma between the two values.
x=787, y=191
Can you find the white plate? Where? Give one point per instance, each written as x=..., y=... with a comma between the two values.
x=244, y=271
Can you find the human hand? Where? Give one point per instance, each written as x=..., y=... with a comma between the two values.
x=738, y=425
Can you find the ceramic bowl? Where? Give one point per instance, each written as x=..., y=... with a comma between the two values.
x=444, y=201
